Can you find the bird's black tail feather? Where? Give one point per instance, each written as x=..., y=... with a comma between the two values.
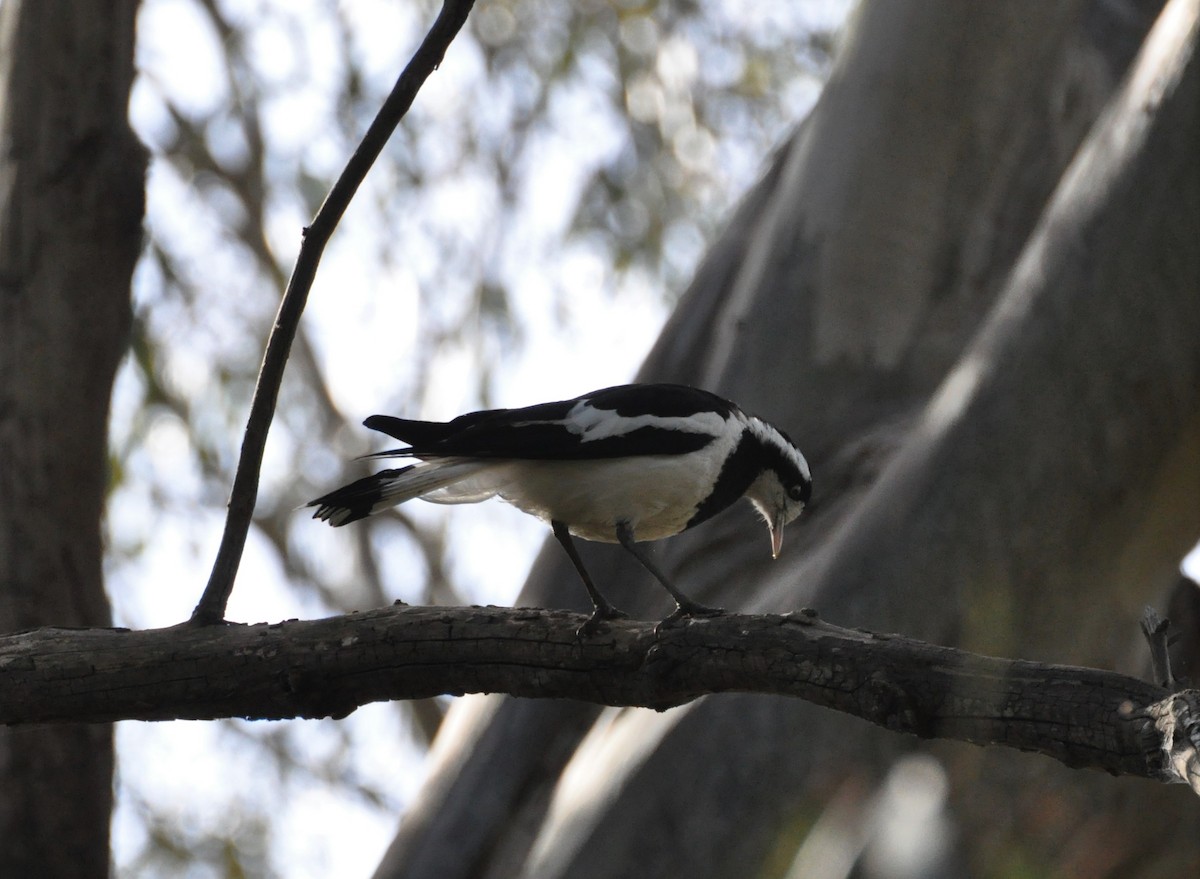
x=447, y=481
x=357, y=500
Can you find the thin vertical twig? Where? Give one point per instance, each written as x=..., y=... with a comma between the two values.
x=211, y=607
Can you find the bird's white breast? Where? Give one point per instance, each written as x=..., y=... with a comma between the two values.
x=656, y=494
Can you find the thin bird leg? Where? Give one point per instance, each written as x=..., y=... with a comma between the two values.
x=685, y=606
x=602, y=610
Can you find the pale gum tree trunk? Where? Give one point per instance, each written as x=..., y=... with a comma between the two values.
x=908, y=238
x=71, y=200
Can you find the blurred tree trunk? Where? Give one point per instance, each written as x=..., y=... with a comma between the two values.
x=998, y=386
x=71, y=203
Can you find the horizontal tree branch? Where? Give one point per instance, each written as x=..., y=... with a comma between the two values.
x=327, y=668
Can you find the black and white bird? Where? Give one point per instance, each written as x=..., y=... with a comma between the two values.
x=619, y=465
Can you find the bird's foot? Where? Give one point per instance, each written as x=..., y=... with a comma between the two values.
x=602, y=614
x=687, y=610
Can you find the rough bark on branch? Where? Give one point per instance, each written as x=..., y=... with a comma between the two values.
x=318, y=668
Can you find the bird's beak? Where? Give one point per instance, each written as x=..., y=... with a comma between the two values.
x=776, y=526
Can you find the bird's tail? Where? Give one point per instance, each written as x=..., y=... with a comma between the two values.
x=445, y=481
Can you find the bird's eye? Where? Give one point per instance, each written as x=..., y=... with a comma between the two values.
x=796, y=492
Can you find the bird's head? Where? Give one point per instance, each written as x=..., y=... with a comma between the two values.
x=784, y=485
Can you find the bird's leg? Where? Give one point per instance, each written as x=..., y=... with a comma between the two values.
x=601, y=609
x=685, y=607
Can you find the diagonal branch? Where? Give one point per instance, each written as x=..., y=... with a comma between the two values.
x=317, y=668
x=211, y=607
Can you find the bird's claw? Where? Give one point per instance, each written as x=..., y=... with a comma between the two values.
x=601, y=615
x=687, y=611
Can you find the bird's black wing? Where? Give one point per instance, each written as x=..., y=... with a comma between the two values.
x=623, y=421
x=665, y=400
